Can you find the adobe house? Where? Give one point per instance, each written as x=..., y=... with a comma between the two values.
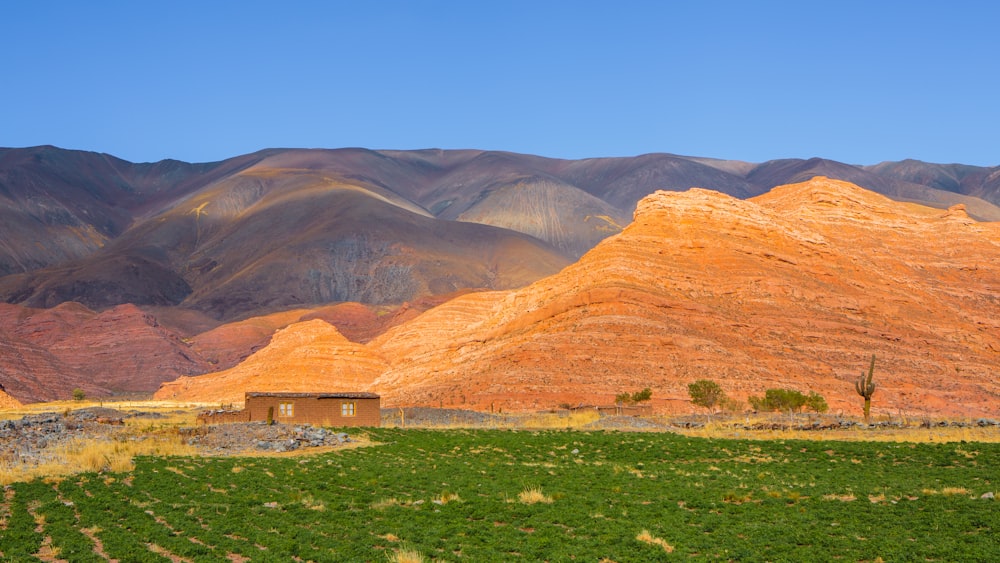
x=320, y=409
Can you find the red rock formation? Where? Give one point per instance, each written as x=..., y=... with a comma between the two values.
x=795, y=288
x=8, y=402
x=306, y=356
x=46, y=353
x=226, y=345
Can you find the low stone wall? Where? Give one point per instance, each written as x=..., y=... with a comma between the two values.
x=223, y=417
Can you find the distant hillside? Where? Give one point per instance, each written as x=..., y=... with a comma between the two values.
x=289, y=227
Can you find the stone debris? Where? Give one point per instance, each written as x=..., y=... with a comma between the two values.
x=237, y=437
x=34, y=439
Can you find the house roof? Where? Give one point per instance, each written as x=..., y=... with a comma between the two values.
x=334, y=395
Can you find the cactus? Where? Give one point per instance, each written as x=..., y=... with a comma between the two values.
x=865, y=387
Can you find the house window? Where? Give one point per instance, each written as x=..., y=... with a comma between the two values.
x=347, y=409
x=285, y=409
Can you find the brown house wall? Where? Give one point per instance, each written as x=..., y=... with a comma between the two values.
x=320, y=411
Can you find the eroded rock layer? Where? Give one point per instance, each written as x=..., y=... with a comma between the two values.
x=47, y=353
x=795, y=288
x=306, y=356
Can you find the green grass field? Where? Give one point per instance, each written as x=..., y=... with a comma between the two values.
x=500, y=495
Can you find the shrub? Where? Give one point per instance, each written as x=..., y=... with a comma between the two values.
x=729, y=404
x=785, y=399
x=706, y=393
x=642, y=396
x=78, y=394
x=633, y=398
x=788, y=400
x=816, y=402
x=406, y=555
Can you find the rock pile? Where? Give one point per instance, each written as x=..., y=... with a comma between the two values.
x=241, y=437
x=32, y=438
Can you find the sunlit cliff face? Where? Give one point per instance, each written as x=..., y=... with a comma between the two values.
x=794, y=288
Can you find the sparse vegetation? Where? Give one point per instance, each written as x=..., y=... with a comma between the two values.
x=787, y=400
x=79, y=394
x=816, y=403
x=634, y=398
x=706, y=393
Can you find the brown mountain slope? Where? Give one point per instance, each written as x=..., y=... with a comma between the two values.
x=268, y=239
x=301, y=357
x=977, y=181
x=228, y=344
x=566, y=217
x=889, y=183
x=795, y=288
x=58, y=205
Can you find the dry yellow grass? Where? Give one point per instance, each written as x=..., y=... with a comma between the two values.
x=406, y=555
x=111, y=453
x=645, y=537
x=382, y=504
x=913, y=433
x=164, y=407
x=575, y=419
x=446, y=497
x=533, y=495
x=847, y=497
x=80, y=456
x=947, y=491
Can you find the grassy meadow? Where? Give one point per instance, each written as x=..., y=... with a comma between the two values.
x=541, y=495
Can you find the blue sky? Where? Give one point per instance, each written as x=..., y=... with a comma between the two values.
x=859, y=82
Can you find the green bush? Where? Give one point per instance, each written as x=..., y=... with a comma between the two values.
x=633, y=398
x=706, y=393
x=788, y=400
x=815, y=402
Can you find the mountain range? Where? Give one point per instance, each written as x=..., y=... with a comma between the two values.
x=795, y=288
x=195, y=266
